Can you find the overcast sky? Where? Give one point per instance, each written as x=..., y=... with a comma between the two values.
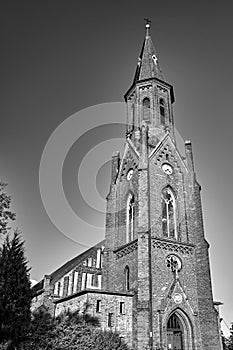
x=59, y=57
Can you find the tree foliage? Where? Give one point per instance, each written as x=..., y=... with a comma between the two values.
x=70, y=331
x=6, y=214
x=19, y=330
x=15, y=292
x=229, y=341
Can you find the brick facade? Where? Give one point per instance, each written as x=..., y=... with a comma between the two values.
x=151, y=274
x=114, y=311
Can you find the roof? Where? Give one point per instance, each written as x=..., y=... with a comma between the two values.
x=69, y=265
x=93, y=291
x=148, y=67
x=148, y=64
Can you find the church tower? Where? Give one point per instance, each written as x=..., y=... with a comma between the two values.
x=155, y=248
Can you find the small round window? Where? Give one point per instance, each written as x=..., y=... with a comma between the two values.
x=173, y=263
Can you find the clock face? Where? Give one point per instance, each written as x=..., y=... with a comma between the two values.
x=167, y=168
x=129, y=174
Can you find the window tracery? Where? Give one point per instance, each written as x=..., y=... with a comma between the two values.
x=162, y=110
x=169, y=213
x=173, y=322
x=126, y=272
x=130, y=218
x=173, y=263
x=146, y=109
x=133, y=117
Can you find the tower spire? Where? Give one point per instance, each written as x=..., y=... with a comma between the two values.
x=148, y=65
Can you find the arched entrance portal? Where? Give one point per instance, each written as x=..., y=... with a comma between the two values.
x=174, y=333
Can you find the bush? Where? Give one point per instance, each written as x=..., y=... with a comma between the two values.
x=70, y=331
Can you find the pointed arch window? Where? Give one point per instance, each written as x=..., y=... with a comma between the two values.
x=126, y=273
x=130, y=218
x=173, y=322
x=169, y=213
x=162, y=110
x=133, y=117
x=146, y=109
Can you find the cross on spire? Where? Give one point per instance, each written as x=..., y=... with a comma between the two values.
x=148, y=22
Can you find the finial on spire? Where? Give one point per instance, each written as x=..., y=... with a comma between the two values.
x=148, y=22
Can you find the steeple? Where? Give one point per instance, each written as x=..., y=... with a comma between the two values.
x=150, y=98
x=148, y=65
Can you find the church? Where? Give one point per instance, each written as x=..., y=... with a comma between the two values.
x=149, y=279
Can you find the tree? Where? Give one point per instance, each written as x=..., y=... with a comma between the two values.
x=71, y=331
x=15, y=292
x=5, y=213
x=41, y=332
x=74, y=332
x=106, y=340
x=230, y=339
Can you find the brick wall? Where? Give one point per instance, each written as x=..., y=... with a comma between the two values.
x=207, y=312
x=121, y=319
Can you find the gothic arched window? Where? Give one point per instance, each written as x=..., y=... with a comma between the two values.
x=133, y=117
x=126, y=273
x=130, y=218
x=146, y=109
x=173, y=322
x=162, y=110
x=169, y=213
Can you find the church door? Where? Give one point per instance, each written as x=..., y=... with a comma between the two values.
x=174, y=333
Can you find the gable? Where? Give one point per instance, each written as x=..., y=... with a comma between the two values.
x=166, y=151
x=129, y=161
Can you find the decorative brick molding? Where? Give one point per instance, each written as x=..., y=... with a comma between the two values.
x=173, y=247
x=160, y=88
x=126, y=249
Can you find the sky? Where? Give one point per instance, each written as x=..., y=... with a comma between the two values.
x=59, y=59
